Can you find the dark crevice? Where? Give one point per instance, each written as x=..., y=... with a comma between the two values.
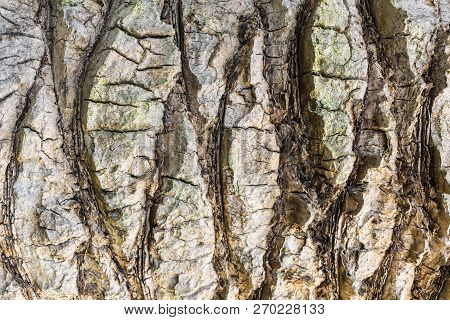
x=288, y=127
x=218, y=143
x=381, y=53
x=10, y=258
x=147, y=252
x=9, y=254
x=190, y=81
x=433, y=208
x=92, y=213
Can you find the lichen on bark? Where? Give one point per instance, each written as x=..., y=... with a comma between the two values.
x=242, y=149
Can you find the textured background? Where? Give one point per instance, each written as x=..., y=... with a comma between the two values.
x=213, y=149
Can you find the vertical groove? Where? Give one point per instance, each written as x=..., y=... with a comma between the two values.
x=91, y=212
x=288, y=135
x=13, y=264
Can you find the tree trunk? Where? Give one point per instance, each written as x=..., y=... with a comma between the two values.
x=210, y=149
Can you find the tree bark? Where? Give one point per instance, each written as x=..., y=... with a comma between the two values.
x=208, y=149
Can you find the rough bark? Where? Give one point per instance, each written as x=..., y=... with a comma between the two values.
x=210, y=149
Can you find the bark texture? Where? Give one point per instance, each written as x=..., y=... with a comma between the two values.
x=211, y=149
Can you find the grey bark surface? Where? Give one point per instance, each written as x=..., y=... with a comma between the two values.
x=211, y=149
